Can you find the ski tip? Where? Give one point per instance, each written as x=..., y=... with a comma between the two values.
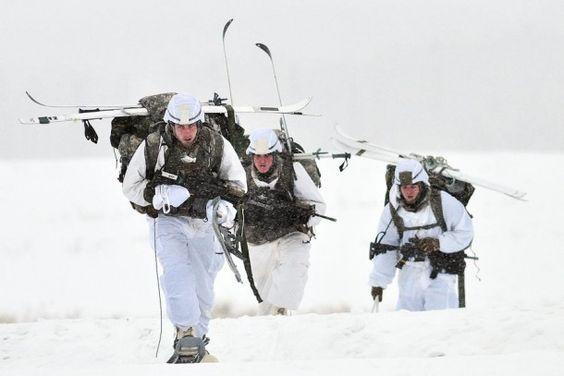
x=303, y=104
x=34, y=121
x=518, y=195
x=32, y=98
x=339, y=130
x=226, y=27
x=264, y=47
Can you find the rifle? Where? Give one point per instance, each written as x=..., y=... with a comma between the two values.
x=377, y=248
x=410, y=250
x=285, y=209
x=211, y=188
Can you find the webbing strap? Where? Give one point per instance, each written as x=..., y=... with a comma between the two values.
x=151, y=155
x=436, y=207
x=245, y=253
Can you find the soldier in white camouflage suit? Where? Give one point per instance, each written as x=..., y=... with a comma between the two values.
x=279, y=236
x=424, y=234
x=186, y=246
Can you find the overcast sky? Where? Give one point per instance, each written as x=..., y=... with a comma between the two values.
x=410, y=74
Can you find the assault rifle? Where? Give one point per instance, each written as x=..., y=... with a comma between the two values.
x=450, y=263
x=208, y=189
x=410, y=251
x=286, y=209
x=407, y=251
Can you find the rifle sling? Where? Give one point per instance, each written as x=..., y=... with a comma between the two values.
x=246, y=257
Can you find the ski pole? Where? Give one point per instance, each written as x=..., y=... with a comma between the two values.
x=320, y=154
x=376, y=306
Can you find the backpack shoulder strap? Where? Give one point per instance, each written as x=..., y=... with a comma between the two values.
x=215, y=145
x=398, y=221
x=437, y=208
x=152, y=147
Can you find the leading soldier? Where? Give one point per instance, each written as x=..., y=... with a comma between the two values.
x=182, y=235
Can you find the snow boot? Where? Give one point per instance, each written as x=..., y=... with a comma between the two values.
x=279, y=311
x=188, y=348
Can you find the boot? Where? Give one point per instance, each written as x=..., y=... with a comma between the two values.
x=279, y=311
x=189, y=348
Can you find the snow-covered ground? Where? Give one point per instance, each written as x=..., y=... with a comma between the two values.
x=78, y=288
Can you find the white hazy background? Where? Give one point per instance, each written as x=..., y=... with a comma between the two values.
x=424, y=74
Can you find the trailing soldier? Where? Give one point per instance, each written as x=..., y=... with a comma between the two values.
x=424, y=232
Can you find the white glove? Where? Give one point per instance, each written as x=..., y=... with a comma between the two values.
x=169, y=195
x=225, y=213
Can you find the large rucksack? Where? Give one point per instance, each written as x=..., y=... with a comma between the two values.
x=310, y=165
x=127, y=133
x=460, y=190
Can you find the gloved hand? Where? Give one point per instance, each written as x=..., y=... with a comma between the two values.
x=225, y=213
x=377, y=292
x=427, y=245
x=173, y=195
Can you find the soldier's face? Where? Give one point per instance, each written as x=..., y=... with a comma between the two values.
x=185, y=133
x=263, y=163
x=410, y=192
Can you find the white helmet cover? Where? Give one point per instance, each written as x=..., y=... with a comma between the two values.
x=410, y=171
x=183, y=109
x=264, y=141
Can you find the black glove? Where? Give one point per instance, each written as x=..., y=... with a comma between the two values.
x=427, y=245
x=377, y=292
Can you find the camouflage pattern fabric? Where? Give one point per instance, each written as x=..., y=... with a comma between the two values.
x=231, y=131
x=126, y=135
x=193, y=166
x=460, y=190
x=280, y=215
x=156, y=105
x=310, y=165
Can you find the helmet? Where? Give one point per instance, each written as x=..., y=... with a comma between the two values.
x=264, y=141
x=183, y=109
x=410, y=171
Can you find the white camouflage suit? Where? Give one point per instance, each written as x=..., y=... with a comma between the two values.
x=417, y=291
x=280, y=267
x=187, y=248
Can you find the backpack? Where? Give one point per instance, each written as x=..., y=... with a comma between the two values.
x=460, y=190
x=127, y=133
x=310, y=165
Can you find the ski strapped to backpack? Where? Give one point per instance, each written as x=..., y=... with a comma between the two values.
x=95, y=113
x=433, y=165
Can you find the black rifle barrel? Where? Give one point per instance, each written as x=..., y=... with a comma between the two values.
x=324, y=217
